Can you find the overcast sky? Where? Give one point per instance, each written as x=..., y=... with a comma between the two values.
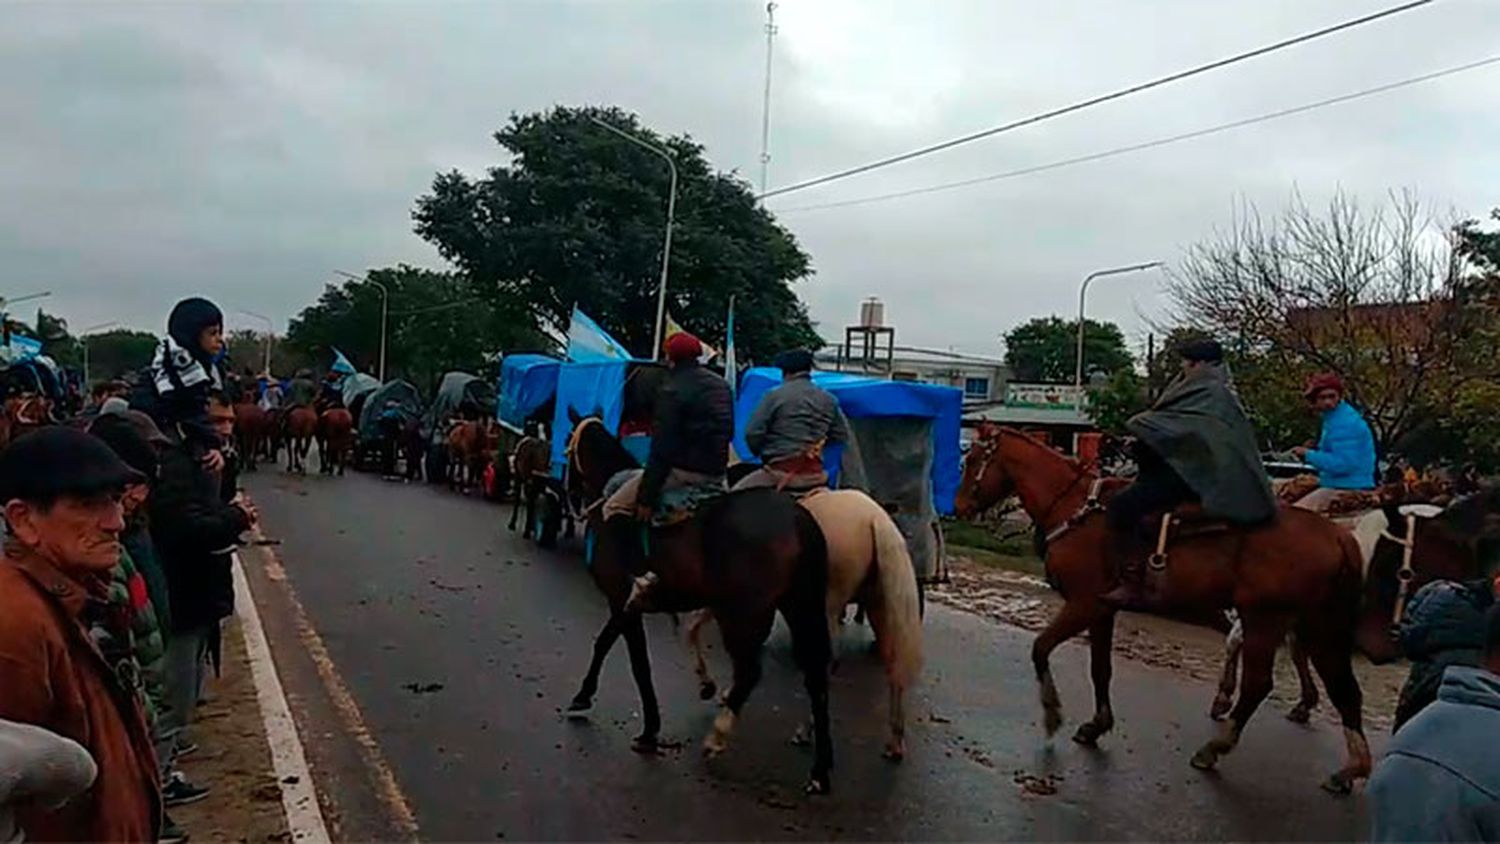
x=244, y=151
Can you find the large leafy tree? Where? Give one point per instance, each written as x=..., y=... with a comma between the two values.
x=1046, y=349
x=437, y=323
x=115, y=354
x=576, y=215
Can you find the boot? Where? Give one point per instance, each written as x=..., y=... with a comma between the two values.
x=1130, y=566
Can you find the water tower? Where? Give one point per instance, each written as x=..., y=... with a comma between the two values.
x=862, y=342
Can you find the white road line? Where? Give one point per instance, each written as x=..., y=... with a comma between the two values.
x=304, y=818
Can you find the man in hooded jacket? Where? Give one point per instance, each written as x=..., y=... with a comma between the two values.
x=1194, y=445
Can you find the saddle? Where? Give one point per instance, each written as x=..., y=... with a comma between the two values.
x=1186, y=521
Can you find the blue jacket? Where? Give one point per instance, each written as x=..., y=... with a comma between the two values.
x=1345, y=457
x=1440, y=777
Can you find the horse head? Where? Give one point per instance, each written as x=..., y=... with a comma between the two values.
x=594, y=456
x=985, y=482
x=1461, y=544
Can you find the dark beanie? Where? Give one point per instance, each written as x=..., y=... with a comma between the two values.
x=122, y=435
x=1202, y=351
x=188, y=320
x=794, y=361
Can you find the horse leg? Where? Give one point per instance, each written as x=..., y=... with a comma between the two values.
x=707, y=688
x=1331, y=657
x=583, y=702
x=743, y=640
x=1071, y=620
x=1101, y=669
x=807, y=617
x=1302, y=712
x=1233, y=644
x=1263, y=635
x=515, y=511
x=649, y=741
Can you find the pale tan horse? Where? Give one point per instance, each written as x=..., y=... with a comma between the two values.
x=869, y=565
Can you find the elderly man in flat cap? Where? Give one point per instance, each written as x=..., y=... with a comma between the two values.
x=60, y=489
x=790, y=428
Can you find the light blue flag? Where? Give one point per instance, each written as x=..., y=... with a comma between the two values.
x=341, y=364
x=588, y=342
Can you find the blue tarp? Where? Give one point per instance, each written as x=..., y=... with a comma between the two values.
x=587, y=389
x=527, y=383
x=863, y=397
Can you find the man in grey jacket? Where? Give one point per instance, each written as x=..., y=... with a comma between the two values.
x=790, y=428
x=1440, y=778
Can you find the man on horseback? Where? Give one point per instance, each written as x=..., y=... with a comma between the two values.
x=1194, y=445
x=1345, y=452
x=790, y=428
x=303, y=391
x=692, y=428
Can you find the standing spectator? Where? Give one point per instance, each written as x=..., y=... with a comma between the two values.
x=194, y=530
x=1440, y=778
x=1442, y=626
x=38, y=768
x=61, y=490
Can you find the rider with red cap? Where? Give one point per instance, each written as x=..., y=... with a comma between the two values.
x=1345, y=453
x=691, y=431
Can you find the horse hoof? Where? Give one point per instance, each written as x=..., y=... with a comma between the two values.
x=1052, y=721
x=894, y=753
x=579, y=710
x=1221, y=708
x=800, y=738
x=646, y=745
x=818, y=785
x=714, y=745
x=1338, y=785
x=1205, y=760
x=1088, y=734
x=1299, y=715
x=707, y=690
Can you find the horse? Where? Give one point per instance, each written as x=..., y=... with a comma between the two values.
x=744, y=556
x=335, y=440
x=1299, y=572
x=467, y=453
x=301, y=426
x=868, y=565
x=531, y=463
x=26, y=413
x=251, y=428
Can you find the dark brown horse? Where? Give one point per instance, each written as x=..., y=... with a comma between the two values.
x=335, y=440
x=251, y=428
x=1301, y=572
x=531, y=465
x=301, y=427
x=744, y=556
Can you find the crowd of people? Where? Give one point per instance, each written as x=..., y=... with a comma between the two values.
x=114, y=582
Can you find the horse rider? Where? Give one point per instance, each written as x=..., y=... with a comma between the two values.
x=790, y=428
x=1345, y=452
x=693, y=426
x=1194, y=445
x=331, y=391
x=303, y=390
x=389, y=425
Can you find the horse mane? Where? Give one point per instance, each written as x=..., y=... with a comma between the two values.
x=1043, y=446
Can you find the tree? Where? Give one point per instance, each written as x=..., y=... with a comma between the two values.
x=1112, y=403
x=117, y=353
x=437, y=323
x=247, y=351
x=576, y=216
x=1373, y=296
x=1046, y=350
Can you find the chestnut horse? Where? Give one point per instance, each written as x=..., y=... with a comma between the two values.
x=531, y=466
x=335, y=440
x=252, y=426
x=471, y=447
x=1300, y=572
x=301, y=426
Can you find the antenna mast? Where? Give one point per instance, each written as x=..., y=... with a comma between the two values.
x=765, y=109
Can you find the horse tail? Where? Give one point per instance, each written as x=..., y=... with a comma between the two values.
x=896, y=614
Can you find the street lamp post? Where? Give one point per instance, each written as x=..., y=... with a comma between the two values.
x=1083, y=293
x=270, y=336
x=666, y=249
x=83, y=337
x=385, y=304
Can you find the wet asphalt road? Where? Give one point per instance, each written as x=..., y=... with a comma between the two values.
x=413, y=587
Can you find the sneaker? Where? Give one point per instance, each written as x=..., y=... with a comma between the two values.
x=171, y=833
x=179, y=792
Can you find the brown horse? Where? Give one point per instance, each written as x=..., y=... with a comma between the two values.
x=335, y=440
x=1301, y=572
x=471, y=447
x=531, y=465
x=301, y=426
x=23, y=414
x=251, y=428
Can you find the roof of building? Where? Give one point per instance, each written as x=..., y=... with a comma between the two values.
x=1010, y=415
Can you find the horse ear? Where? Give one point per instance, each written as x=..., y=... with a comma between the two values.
x=988, y=430
x=574, y=416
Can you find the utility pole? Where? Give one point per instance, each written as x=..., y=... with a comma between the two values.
x=765, y=107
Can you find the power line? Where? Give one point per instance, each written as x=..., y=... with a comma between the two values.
x=1124, y=92
x=1186, y=136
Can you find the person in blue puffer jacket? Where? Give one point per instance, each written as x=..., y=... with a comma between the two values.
x=1345, y=453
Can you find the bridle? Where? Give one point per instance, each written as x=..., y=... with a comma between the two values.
x=987, y=450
